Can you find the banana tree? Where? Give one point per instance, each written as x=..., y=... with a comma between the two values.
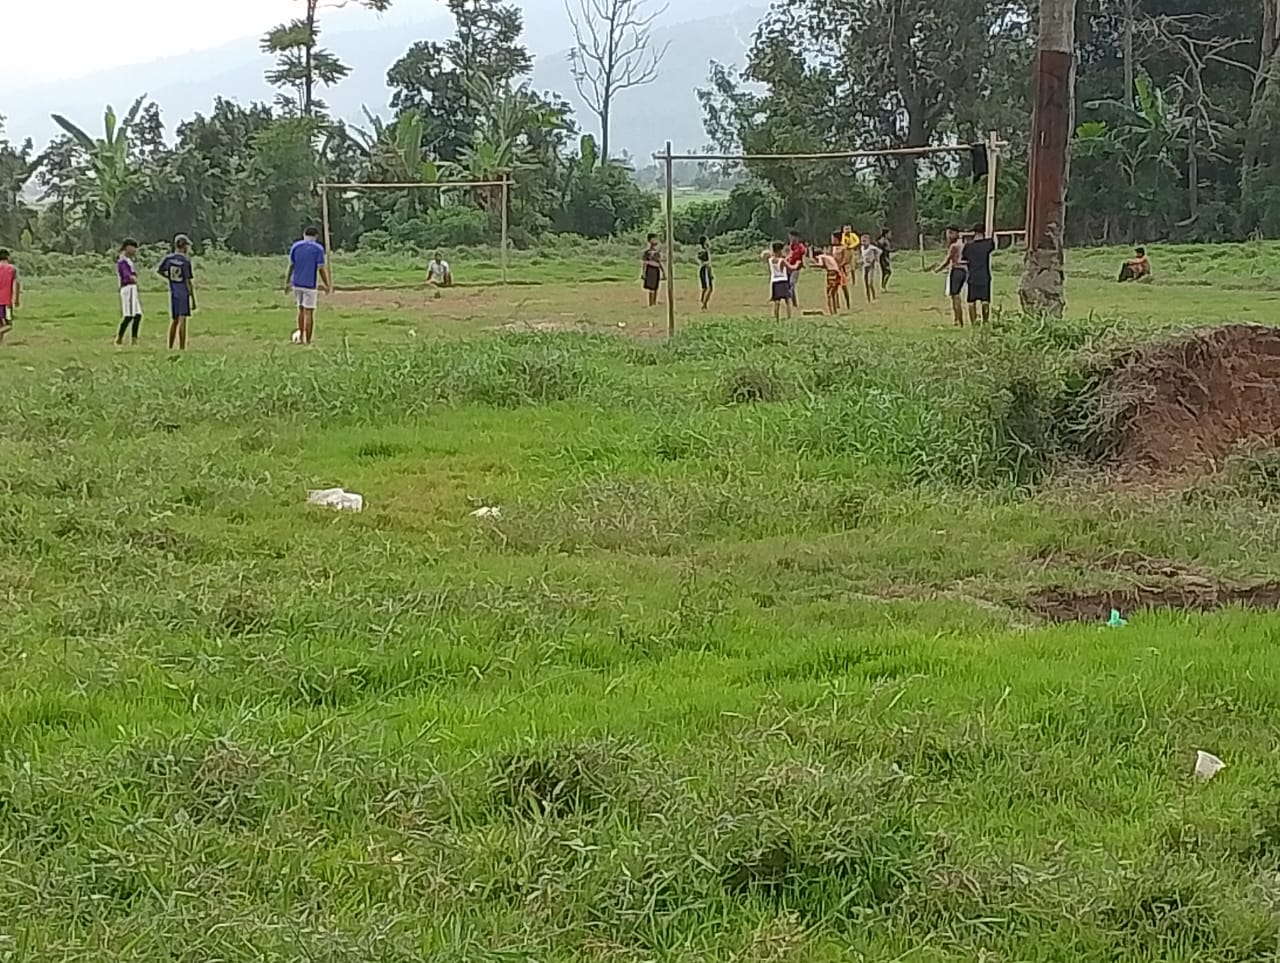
x=109, y=176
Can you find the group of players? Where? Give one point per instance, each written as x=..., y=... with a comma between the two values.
x=967, y=266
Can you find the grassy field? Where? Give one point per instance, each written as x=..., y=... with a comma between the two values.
x=743, y=672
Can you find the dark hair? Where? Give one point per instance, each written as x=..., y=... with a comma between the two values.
x=815, y=249
x=311, y=232
x=952, y=227
x=4, y=254
x=703, y=240
x=885, y=232
x=1142, y=252
x=128, y=242
x=793, y=232
x=652, y=238
x=777, y=247
x=979, y=229
x=181, y=242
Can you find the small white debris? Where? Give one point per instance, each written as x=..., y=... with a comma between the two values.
x=1207, y=765
x=296, y=337
x=413, y=332
x=336, y=498
x=488, y=511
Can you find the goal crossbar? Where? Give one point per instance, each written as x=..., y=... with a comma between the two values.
x=324, y=187
x=993, y=145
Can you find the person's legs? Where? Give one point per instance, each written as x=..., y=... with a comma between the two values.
x=6, y=324
x=309, y=324
x=182, y=333
x=957, y=310
x=124, y=326
x=137, y=324
x=793, y=277
x=986, y=311
x=973, y=312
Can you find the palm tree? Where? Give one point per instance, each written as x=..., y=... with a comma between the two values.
x=109, y=176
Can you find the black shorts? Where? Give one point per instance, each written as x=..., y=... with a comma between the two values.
x=652, y=278
x=885, y=268
x=705, y=278
x=780, y=291
x=955, y=283
x=979, y=290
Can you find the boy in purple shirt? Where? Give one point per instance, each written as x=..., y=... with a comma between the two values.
x=307, y=269
x=130, y=302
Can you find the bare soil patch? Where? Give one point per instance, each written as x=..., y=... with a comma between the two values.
x=1065, y=605
x=1186, y=404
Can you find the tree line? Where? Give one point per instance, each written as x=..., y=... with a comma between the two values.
x=1177, y=131
x=243, y=176
x=1177, y=105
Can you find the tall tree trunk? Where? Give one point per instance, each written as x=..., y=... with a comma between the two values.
x=606, y=108
x=903, y=208
x=1268, y=74
x=1044, y=274
x=1128, y=51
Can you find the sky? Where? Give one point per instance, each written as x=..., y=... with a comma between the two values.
x=39, y=48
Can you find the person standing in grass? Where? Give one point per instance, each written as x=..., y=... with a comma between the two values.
x=831, y=265
x=651, y=269
x=705, y=278
x=176, y=269
x=885, y=244
x=307, y=269
x=780, y=288
x=10, y=293
x=953, y=264
x=977, y=261
x=844, y=258
x=130, y=301
x=869, y=258
x=795, y=264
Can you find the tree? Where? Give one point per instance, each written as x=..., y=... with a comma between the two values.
x=1043, y=278
x=612, y=52
x=436, y=80
x=16, y=169
x=301, y=64
x=104, y=174
x=861, y=73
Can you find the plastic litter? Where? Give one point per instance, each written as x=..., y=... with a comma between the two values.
x=296, y=337
x=338, y=499
x=487, y=511
x=1116, y=622
x=1208, y=765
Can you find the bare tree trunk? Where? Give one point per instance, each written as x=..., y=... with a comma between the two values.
x=1128, y=51
x=1044, y=274
x=1268, y=66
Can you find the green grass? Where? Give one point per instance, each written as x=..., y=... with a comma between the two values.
x=740, y=674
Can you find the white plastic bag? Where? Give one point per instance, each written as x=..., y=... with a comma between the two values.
x=488, y=511
x=338, y=499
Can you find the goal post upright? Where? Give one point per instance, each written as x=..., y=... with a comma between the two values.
x=993, y=144
x=505, y=184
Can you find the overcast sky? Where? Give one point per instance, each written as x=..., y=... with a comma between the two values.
x=50, y=40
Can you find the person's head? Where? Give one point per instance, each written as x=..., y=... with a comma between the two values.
x=778, y=247
x=702, y=241
x=653, y=240
x=1141, y=252
x=817, y=250
x=847, y=229
x=129, y=247
x=437, y=257
x=311, y=233
x=885, y=233
x=4, y=254
x=182, y=244
x=794, y=235
x=979, y=230
x=865, y=240
x=953, y=233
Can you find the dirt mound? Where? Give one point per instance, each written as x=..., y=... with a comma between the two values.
x=1062, y=605
x=1188, y=403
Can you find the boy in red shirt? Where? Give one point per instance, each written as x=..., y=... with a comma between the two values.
x=795, y=263
x=10, y=293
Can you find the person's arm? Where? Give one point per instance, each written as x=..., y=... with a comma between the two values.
x=191, y=286
x=948, y=261
x=288, y=276
x=324, y=276
x=17, y=291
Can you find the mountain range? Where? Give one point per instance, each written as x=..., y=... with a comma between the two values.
x=644, y=118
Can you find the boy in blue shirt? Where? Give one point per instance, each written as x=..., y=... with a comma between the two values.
x=307, y=269
x=176, y=269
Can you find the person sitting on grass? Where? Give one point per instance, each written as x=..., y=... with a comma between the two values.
x=438, y=273
x=1137, y=268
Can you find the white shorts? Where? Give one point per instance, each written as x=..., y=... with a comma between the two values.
x=130, y=302
x=308, y=298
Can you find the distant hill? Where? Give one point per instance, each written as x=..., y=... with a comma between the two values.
x=645, y=118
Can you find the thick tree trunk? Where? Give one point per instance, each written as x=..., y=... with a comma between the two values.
x=903, y=209
x=1128, y=51
x=1052, y=121
x=1268, y=74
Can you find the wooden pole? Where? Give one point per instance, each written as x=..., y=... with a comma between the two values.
x=324, y=224
x=993, y=167
x=506, y=199
x=671, y=247
x=923, y=265
x=830, y=155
